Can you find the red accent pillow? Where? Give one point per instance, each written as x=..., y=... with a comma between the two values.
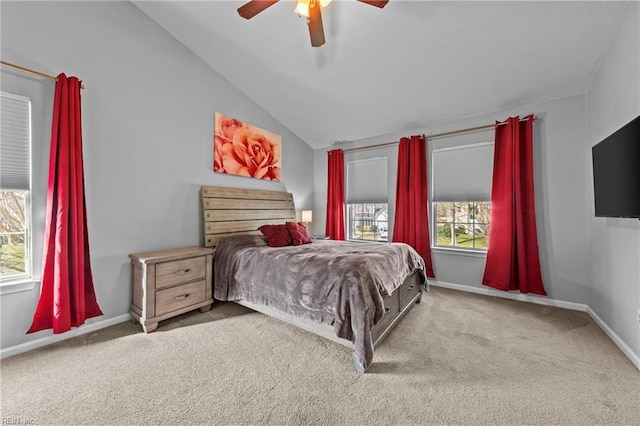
x=299, y=233
x=276, y=235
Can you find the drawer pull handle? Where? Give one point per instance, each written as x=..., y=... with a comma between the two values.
x=182, y=297
x=183, y=271
x=411, y=286
x=387, y=309
x=384, y=293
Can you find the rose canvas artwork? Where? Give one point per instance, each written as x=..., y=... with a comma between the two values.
x=245, y=150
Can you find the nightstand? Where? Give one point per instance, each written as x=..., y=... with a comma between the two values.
x=171, y=282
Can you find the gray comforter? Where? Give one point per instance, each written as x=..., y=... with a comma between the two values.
x=333, y=282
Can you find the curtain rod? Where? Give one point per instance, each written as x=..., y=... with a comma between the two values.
x=30, y=71
x=437, y=135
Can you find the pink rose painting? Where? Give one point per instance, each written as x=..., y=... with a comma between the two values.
x=245, y=150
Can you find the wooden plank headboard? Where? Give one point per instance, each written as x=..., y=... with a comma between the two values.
x=230, y=211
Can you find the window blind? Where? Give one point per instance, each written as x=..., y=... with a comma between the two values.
x=463, y=173
x=367, y=181
x=15, y=135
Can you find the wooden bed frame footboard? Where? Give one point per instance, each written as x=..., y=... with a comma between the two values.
x=229, y=211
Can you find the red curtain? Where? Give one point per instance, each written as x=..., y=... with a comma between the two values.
x=411, y=224
x=335, y=195
x=513, y=262
x=67, y=297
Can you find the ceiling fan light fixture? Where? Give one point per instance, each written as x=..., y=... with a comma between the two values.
x=302, y=8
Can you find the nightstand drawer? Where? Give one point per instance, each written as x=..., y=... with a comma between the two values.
x=181, y=296
x=180, y=271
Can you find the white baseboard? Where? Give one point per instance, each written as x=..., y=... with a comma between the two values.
x=513, y=296
x=633, y=357
x=48, y=340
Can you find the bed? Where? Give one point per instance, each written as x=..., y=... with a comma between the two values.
x=350, y=292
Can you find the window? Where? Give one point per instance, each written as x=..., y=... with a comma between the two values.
x=15, y=184
x=462, y=196
x=367, y=222
x=367, y=208
x=462, y=224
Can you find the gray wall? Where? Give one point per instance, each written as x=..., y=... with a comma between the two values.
x=148, y=132
x=614, y=244
x=560, y=193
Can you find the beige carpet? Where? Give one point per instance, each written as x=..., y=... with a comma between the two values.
x=456, y=358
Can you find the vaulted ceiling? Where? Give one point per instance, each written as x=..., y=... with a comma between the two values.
x=406, y=66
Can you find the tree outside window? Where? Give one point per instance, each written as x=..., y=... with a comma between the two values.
x=462, y=224
x=13, y=233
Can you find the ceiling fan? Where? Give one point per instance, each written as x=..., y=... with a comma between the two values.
x=308, y=8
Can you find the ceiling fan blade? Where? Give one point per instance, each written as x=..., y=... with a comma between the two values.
x=376, y=3
x=251, y=9
x=316, y=29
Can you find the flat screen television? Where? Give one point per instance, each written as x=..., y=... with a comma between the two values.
x=616, y=173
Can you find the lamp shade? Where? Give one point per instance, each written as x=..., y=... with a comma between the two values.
x=307, y=216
